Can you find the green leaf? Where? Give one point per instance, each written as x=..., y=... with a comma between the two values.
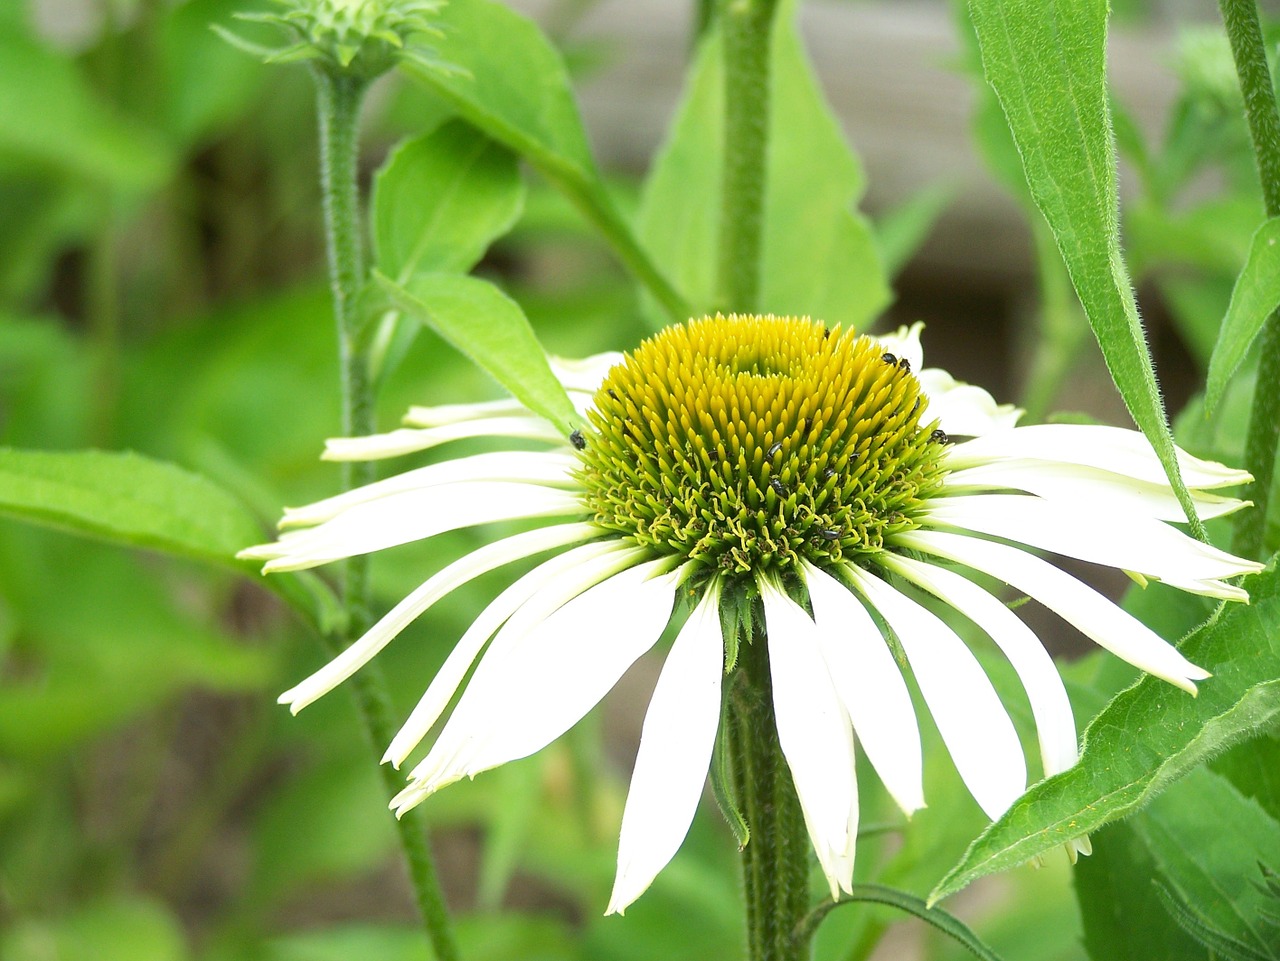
x=1256, y=295
x=490, y=328
x=1121, y=911
x=1148, y=736
x=814, y=181
x=441, y=199
x=1207, y=841
x=1046, y=61
x=126, y=498
x=513, y=85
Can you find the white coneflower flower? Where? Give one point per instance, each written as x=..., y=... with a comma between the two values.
x=817, y=473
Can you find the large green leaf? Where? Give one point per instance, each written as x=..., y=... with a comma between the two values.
x=491, y=329
x=129, y=499
x=1255, y=297
x=1120, y=906
x=126, y=498
x=1207, y=841
x=441, y=199
x=1046, y=61
x=1147, y=737
x=818, y=253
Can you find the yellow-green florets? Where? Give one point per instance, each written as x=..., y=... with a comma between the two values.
x=746, y=443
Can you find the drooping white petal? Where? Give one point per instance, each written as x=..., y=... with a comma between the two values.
x=455, y=413
x=905, y=343
x=553, y=582
x=529, y=467
x=553, y=675
x=1112, y=538
x=412, y=516
x=871, y=687
x=1088, y=489
x=962, y=409
x=407, y=440
x=1055, y=724
x=675, y=752
x=1112, y=449
x=433, y=589
x=585, y=374
x=973, y=723
x=1077, y=603
x=815, y=734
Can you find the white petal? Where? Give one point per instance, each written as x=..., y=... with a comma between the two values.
x=905, y=343
x=412, y=516
x=529, y=467
x=1112, y=449
x=553, y=582
x=456, y=413
x=1055, y=724
x=1112, y=538
x=963, y=409
x=407, y=440
x=868, y=681
x=815, y=734
x=448, y=579
x=675, y=753
x=1080, y=605
x=555, y=673
x=1089, y=489
x=973, y=723
x=586, y=373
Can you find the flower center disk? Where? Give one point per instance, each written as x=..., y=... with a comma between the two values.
x=745, y=443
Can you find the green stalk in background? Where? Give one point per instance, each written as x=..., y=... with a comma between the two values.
x=747, y=26
x=1245, y=34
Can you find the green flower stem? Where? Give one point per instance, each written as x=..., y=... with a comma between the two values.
x=775, y=860
x=1245, y=34
x=748, y=28
x=339, y=100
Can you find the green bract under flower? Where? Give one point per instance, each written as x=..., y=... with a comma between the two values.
x=361, y=38
x=748, y=443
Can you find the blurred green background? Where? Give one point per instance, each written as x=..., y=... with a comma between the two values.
x=161, y=290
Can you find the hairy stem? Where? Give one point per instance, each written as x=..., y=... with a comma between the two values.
x=748, y=29
x=339, y=100
x=775, y=861
x=1249, y=52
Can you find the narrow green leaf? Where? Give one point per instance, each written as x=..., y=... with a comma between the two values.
x=126, y=498
x=1255, y=296
x=1148, y=736
x=441, y=199
x=490, y=328
x=1046, y=61
x=814, y=183
x=1207, y=841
